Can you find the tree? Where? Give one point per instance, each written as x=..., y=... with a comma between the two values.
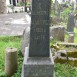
x=3, y=7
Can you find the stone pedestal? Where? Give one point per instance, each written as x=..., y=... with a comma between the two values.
x=71, y=38
x=11, y=62
x=37, y=66
x=71, y=23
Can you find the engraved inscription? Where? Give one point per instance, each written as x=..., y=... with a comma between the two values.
x=41, y=37
x=40, y=22
x=39, y=29
x=39, y=34
x=40, y=13
x=39, y=71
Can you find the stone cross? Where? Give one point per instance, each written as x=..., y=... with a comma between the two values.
x=71, y=23
x=39, y=35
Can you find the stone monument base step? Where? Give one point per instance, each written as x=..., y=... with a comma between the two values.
x=38, y=66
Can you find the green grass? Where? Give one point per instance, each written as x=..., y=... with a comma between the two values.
x=9, y=42
x=75, y=30
x=61, y=70
x=75, y=37
x=65, y=70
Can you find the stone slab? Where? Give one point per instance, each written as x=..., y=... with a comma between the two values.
x=68, y=44
x=37, y=66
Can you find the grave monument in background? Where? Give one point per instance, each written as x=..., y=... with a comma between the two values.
x=71, y=23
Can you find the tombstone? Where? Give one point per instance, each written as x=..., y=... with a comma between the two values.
x=57, y=32
x=56, y=7
x=55, y=20
x=59, y=10
x=71, y=38
x=76, y=23
x=38, y=61
x=71, y=23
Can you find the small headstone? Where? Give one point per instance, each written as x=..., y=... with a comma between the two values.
x=71, y=38
x=57, y=32
x=55, y=20
x=59, y=11
x=11, y=62
x=56, y=7
x=38, y=61
x=70, y=23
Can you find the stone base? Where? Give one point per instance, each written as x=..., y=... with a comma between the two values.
x=38, y=66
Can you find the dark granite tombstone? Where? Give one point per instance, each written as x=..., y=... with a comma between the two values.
x=38, y=61
x=39, y=35
x=71, y=23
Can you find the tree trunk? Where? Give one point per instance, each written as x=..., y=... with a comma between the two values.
x=3, y=7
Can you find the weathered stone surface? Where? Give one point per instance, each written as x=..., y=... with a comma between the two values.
x=57, y=32
x=70, y=23
x=69, y=56
x=3, y=7
x=68, y=44
x=11, y=62
x=55, y=20
x=39, y=35
x=38, y=66
x=25, y=39
x=71, y=38
x=38, y=61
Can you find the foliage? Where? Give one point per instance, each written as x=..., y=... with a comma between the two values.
x=28, y=4
x=65, y=70
x=61, y=70
x=75, y=30
x=3, y=74
x=10, y=42
x=20, y=59
x=75, y=37
x=20, y=4
x=66, y=12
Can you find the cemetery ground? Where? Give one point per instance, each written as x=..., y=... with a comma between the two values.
x=66, y=69
x=10, y=42
x=61, y=70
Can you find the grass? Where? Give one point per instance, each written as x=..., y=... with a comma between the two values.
x=61, y=70
x=65, y=70
x=75, y=30
x=75, y=37
x=9, y=42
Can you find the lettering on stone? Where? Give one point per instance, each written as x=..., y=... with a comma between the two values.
x=40, y=13
x=40, y=22
x=39, y=34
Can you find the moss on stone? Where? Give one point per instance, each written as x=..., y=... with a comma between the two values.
x=72, y=54
x=59, y=60
x=62, y=61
